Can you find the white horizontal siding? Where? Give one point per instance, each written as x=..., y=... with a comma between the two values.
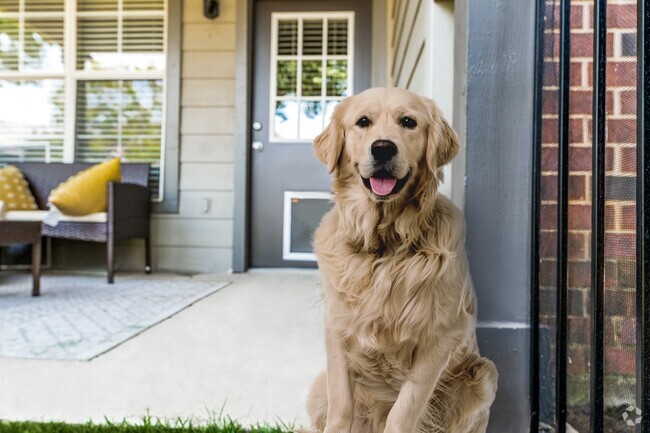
x=199, y=237
x=193, y=232
x=207, y=204
x=192, y=259
x=199, y=64
x=207, y=120
x=209, y=37
x=208, y=93
x=207, y=148
x=206, y=177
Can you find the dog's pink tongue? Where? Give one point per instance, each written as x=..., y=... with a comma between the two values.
x=382, y=186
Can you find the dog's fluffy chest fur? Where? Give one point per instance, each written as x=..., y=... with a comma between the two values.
x=392, y=299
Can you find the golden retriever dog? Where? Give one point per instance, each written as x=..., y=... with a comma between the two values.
x=400, y=308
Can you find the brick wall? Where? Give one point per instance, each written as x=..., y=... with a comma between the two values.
x=620, y=194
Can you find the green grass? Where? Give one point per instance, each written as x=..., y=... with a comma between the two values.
x=147, y=425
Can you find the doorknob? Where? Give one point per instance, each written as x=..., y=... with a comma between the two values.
x=257, y=126
x=257, y=146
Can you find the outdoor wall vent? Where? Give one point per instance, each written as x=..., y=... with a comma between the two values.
x=211, y=8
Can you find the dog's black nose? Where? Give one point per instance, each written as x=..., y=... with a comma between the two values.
x=383, y=150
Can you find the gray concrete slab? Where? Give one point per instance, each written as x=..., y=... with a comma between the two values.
x=252, y=347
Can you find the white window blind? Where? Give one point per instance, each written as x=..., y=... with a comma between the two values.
x=88, y=78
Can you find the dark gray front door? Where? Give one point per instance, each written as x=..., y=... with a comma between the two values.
x=308, y=55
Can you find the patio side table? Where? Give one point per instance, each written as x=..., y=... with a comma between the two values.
x=25, y=232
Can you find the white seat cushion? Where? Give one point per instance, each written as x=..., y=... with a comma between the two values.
x=38, y=215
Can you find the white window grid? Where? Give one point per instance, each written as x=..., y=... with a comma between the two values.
x=287, y=254
x=276, y=17
x=71, y=75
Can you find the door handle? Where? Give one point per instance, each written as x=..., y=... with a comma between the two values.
x=257, y=146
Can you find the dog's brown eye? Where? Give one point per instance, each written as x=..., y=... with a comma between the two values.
x=363, y=122
x=408, y=122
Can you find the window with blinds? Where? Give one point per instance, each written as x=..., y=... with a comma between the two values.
x=84, y=95
x=310, y=71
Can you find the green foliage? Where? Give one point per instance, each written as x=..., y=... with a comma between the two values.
x=146, y=425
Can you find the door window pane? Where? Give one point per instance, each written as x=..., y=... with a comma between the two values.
x=312, y=37
x=285, y=119
x=288, y=37
x=311, y=119
x=309, y=77
x=286, y=78
x=337, y=78
x=312, y=78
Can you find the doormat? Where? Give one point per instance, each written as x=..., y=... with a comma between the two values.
x=80, y=317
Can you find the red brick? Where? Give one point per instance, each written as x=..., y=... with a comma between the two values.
x=621, y=130
x=547, y=272
x=579, y=274
x=549, y=159
x=548, y=217
x=610, y=217
x=621, y=16
x=628, y=331
x=611, y=272
x=621, y=361
x=620, y=303
x=579, y=330
x=621, y=73
x=579, y=217
x=552, y=78
x=610, y=328
x=628, y=217
x=577, y=362
x=582, y=45
x=549, y=132
x=580, y=102
x=549, y=187
x=628, y=101
x=578, y=246
x=548, y=244
x=627, y=273
x=547, y=302
x=628, y=159
x=550, y=102
x=578, y=187
x=553, y=15
x=579, y=158
x=609, y=158
x=576, y=305
x=620, y=245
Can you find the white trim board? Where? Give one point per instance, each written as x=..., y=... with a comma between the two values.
x=287, y=254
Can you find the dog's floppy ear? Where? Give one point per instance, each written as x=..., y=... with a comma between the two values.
x=329, y=143
x=442, y=141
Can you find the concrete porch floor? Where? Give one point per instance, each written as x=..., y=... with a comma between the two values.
x=252, y=348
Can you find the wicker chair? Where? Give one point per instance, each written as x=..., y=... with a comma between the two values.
x=128, y=207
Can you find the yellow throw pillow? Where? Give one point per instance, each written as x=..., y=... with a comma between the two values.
x=85, y=192
x=14, y=190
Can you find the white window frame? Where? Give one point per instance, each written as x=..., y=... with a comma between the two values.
x=287, y=254
x=299, y=57
x=71, y=76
